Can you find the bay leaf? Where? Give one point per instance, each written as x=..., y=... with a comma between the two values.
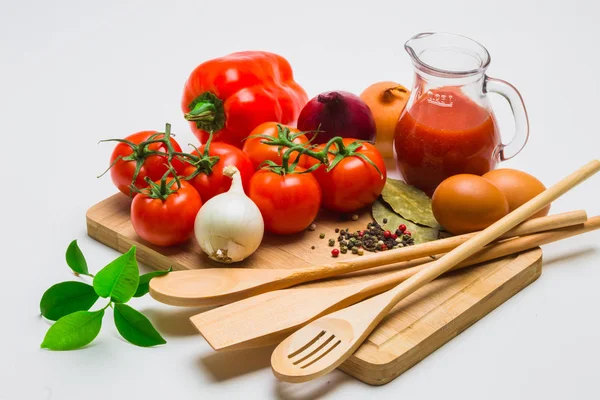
x=410, y=202
x=420, y=234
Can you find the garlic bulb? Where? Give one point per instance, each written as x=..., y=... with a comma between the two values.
x=229, y=227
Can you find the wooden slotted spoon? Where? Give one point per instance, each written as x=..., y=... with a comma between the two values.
x=269, y=317
x=216, y=286
x=327, y=342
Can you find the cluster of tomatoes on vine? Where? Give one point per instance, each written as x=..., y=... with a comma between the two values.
x=286, y=176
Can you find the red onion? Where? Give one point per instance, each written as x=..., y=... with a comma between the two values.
x=337, y=114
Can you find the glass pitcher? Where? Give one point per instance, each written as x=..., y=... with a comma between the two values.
x=448, y=126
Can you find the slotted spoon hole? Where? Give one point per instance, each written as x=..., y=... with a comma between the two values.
x=329, y=339
x=307, y=345
x=322, y=355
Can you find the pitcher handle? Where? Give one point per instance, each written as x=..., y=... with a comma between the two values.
x=512, y=95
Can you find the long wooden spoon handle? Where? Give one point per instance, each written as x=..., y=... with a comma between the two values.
x=477, y=242
x=490, y=252
x=215, y=286
x=435, y=247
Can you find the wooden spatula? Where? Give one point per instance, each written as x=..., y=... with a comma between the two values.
x=269, y=317
x=327, y=342
x=215, y=286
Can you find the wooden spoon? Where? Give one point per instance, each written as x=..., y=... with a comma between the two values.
x=267, y=318
x=327, y=342
x=215, y=286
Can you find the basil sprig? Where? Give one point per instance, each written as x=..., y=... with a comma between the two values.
x=68, y=303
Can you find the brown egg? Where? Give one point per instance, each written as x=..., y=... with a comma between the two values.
x=518, y=187
x=467, y=203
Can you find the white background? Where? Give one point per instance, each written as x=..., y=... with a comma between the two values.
x=75, y=72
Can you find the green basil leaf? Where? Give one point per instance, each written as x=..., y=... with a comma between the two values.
x=144, y=285
x=65, y=298
x=73, y=331
x=119, y=279
x=75, y=259
x=135, y=327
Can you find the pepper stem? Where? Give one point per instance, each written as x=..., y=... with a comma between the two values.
x=207, y=112
x=203, y=111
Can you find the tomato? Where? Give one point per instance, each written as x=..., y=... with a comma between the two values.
x=210, y=180
x=152, y=166
x=353, y=183
x=166, y=222
x=288, y=203
x=260, y=152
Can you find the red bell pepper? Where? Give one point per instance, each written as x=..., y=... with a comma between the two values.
x=232, y=95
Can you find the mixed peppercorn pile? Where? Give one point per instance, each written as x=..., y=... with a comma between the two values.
x=373, y=238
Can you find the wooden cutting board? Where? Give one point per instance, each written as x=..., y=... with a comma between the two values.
x=415, y=328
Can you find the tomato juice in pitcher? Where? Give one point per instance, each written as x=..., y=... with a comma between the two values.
x=448, y=126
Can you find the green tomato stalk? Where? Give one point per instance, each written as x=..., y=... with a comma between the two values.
x=334, y=146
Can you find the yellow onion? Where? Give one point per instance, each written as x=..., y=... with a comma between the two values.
x=386, y=101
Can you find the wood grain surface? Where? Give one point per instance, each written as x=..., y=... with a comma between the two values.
x=416, y=327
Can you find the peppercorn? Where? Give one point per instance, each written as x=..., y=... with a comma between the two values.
x=335, y=252
x=373, y=238
x=354, y=217
x=312, y=247
x=385, y=220
x=361, y=251
x=407, y=233
x=322, y=236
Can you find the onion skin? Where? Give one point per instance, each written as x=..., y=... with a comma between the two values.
x=386, y=100
x=229, y=227
x=337, y=113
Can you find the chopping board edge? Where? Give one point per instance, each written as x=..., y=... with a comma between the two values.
x=383, y=366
